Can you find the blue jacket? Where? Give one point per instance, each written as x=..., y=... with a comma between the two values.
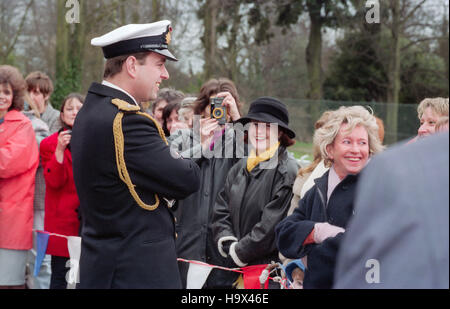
x=294, y=229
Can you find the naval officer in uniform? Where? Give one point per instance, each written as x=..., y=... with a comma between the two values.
x=124, y=173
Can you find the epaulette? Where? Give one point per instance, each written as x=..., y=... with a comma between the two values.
x=125, y=106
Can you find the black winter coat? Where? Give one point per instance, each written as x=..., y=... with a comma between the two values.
x=194, y=213
x=250, y=206
x=293, y=230
x=124, y=245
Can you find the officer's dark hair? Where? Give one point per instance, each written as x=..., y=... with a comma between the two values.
x=212, y=87
x=10, y=75
x=114, y=65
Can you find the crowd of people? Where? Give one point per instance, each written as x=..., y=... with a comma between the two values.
x=102, y=168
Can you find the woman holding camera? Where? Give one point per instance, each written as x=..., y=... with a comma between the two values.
x=258, y=189
x=61, y=200
x=194, y=213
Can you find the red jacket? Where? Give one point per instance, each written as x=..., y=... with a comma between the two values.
x=61, y=199
x=19, y=159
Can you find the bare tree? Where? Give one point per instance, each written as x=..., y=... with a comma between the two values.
x=406, y=26
x=9, y=33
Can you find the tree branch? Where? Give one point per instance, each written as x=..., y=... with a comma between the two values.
x=22, y=22
x=420, y=40
x=413, y=11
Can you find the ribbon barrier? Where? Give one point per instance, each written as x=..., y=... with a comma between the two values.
x=74, y=246
x=254, y=276
x=41, y=248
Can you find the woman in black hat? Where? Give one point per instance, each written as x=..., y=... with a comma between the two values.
x=258, y=189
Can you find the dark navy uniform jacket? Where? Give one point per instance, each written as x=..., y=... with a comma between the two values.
x=124, y=245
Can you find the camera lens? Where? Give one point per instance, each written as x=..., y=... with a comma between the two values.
x=217, y=113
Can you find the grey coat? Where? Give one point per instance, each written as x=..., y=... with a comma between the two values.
x=399, y=236
x=41, y=130
x=51, y=117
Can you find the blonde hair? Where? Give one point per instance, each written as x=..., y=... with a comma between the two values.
x=317, y=155
x=441, y=123
x=353, y=116
x=438, y=105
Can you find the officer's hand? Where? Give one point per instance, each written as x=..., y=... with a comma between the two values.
x=230, y=103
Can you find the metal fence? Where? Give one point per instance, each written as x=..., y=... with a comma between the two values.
x=304, y=113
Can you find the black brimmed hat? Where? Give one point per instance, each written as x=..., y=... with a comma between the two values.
x=135, y=38
x=268, y=110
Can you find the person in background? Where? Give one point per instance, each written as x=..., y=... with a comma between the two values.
x=316, y=168
x=186, y=111
x=314, y=230
x=170, y=118
x=42, y=280
x=380, y=124
x=295, y=272
x=429, y=111
x=19, y=159
x=258, y=189
x=40, y=88
x=165, y=97
x=31, y=111
x=442, y=124
x=61, y=199
x=194, y=213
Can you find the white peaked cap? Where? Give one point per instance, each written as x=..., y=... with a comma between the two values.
x=134, y=38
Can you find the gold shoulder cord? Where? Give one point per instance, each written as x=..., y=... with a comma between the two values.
x=119, y=147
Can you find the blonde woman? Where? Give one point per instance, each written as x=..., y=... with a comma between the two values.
x=346, y=142
x=429, y=111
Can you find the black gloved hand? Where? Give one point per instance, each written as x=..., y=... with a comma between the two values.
x=226, y=246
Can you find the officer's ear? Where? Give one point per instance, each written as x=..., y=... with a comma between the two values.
x=130, y=66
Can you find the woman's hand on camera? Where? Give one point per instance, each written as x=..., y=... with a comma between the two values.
x=207, y=128
x=230, y=103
